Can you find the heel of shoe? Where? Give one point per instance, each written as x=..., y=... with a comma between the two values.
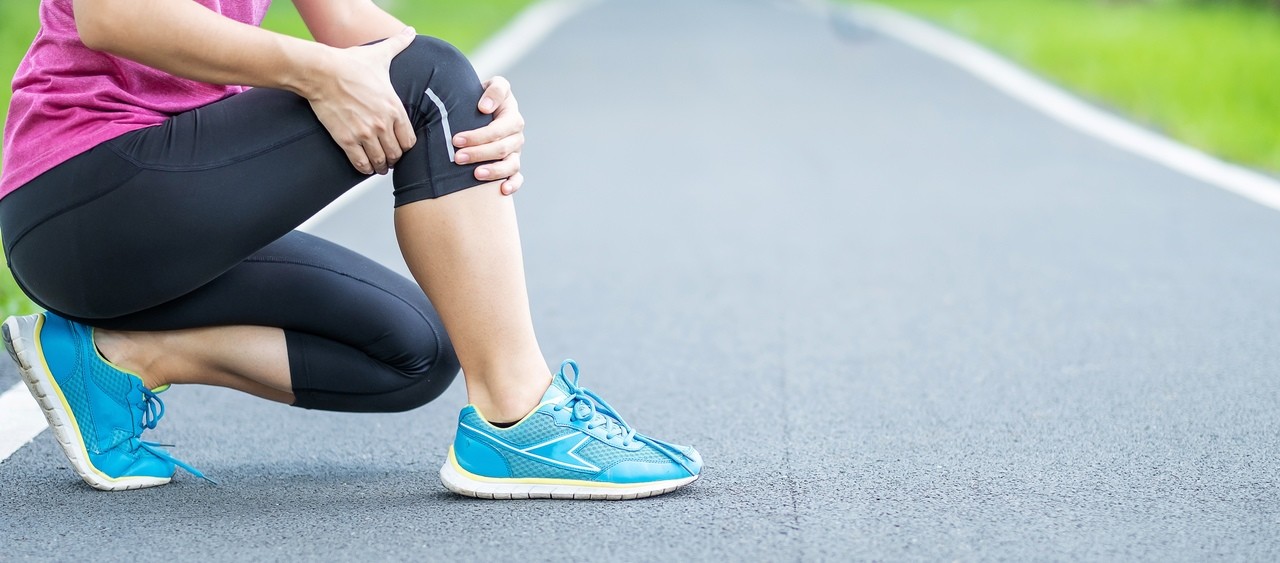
x=19, y=335
x=8, y=329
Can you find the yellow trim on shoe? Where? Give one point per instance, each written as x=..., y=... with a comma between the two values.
x=543, y=481
x=485, y=419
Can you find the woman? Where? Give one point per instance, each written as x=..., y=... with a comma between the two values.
x=148, y=203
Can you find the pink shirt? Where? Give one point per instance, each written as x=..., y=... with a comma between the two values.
x=68, y=98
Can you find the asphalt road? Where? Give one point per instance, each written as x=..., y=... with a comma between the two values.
x=901, y=315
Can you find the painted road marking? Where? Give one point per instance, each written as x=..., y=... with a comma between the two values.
x=1066, y=108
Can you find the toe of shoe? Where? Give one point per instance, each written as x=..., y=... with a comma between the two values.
x=682, y=456
x=692, y=459
x=150, y=466
x=645, y=472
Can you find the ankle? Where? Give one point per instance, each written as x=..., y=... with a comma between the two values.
x=124, y=351
x=509, y=401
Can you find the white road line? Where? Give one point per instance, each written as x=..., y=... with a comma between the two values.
x=1066, y=108
x=495, y=56
x=529, y=28
x=20, y=419
x=20, y=416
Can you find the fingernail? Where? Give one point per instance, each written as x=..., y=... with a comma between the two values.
x=459, y=141
x=462, y=158
x=482, y=172
x=486, y=104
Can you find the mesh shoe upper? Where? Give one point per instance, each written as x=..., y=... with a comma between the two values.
x=572, y=435
x=110, y=407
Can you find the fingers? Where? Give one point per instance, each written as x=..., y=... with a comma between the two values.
x=405, y=135
x=497, y=150
x=505, y=168
x=397, y=138
x=498, y=144
x=496, y=90
x=512, y=184
x=374, y=147
x=507, y=121
x=376, y=156
x=398, y=42
x=357, y=156
x=361, y=110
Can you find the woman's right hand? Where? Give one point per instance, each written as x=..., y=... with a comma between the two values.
x=356, y=103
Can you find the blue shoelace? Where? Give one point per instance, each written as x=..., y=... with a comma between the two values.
x=586, y=405
x=152, y=411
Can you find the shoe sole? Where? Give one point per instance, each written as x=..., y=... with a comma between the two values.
x=20, y=339
x=462, y=482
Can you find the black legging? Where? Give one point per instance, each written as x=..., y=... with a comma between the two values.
x=190, y=224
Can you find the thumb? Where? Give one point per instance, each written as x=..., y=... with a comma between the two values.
x=399, y=41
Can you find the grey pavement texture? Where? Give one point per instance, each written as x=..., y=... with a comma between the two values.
x=903, y=317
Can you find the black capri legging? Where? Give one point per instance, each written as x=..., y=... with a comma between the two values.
x=190, y=224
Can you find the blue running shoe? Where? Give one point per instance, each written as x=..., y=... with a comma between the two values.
x=572, y=446
x=97, y=411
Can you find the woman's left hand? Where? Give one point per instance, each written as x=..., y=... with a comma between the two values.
x=499, y=142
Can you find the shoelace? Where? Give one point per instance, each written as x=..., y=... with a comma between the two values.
x=598, y=413
x=585, y=405
x=152, y=411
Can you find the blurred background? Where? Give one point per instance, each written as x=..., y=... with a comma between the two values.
x=1206, y=72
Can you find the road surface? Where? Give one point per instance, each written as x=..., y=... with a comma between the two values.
x=902, y=316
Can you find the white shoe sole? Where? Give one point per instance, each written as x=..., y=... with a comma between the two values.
x=20, y=340
x=461, y=482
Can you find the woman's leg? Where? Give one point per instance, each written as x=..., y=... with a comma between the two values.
x=464, y=250
x=207, y=188
x=180, y=218
x=302, y=321
x=252, y=359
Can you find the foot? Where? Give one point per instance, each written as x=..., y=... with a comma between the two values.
x=573, y=445
x=96, y=411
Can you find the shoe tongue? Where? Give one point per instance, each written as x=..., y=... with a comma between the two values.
x=559, y=389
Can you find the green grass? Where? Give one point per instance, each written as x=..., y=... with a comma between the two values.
x=465, y=24
x=18, y=25
x=1207, y=73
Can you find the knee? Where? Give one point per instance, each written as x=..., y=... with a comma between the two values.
x=426, y=386
x=426, y=371
x=444, y=66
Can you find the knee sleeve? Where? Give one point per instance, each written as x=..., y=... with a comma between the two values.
x=441, y=91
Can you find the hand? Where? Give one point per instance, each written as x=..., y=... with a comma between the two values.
x=361, y=110
x=498, y=142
